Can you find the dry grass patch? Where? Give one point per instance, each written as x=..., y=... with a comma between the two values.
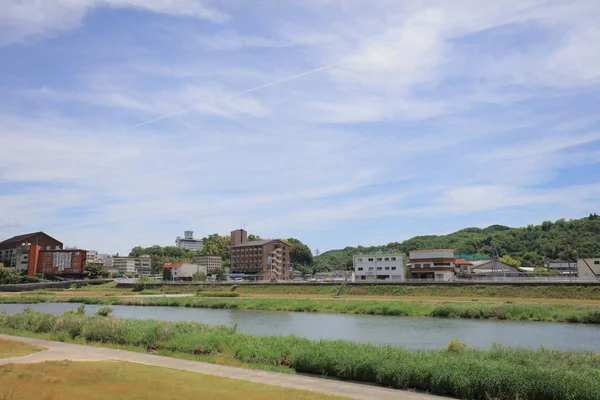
x=13, y=348
x=68, y=380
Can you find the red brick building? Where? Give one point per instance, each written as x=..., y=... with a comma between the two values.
x=13, y=251
x=56, y=262
x=259, y=259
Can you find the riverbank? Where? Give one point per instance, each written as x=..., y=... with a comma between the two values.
x=457, y=371
x=474, y=310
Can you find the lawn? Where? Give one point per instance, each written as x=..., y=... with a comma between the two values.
x=68, y=380
x=11, y=348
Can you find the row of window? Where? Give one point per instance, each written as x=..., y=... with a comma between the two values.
x=378, y=268
x=428, y=265
x=379, y=259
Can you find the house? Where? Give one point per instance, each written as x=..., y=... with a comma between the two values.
x=438, y=265
x=494, y=268
x=14, y=249
x=588, y=268
x=259, y=259
x=182, y=271
x=379, y=267
x=563, y=268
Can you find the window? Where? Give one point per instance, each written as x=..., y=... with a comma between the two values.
x=596, y=262
x=393, y=268
x=387, y=259
x=370, y=259
x=393, y=258
x=360, y=268
x=359, y=260
x=370, y=268
x=441, y=264
x=363, y=277
x=426, y=265
x=379, y=259
x=417, y=266
x=378, y=268
x=387, y=268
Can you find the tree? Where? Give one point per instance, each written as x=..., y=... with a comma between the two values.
x=220, y=273
x=252, y=237
x=199, y=277
x=300, y=253
x=508, y=260
x=96, y=270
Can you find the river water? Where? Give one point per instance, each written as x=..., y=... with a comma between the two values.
x=409, y=332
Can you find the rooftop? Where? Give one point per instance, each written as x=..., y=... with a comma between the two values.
x=258, y=243
x=20, y=238
x=427, y=251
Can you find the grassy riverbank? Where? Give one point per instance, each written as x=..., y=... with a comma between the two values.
x=500, y=373
x=472, y=310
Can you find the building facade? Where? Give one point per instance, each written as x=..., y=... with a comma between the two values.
x=379, y=267
x=259, y=259
x=131, y=265
x=188, y=242
x=495, y=269
x=34, y=259
x=563, y=268
x=12, y=252
x=210, y=262
x=182, y=271
x=92, y=256
x=588, y=268
x=432, y=264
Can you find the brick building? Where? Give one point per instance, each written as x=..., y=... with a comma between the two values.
x=55, y=262
x=210, y=262
x=259, y=259
x=14, y=252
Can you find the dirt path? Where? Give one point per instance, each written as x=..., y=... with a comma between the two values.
x=58, y=351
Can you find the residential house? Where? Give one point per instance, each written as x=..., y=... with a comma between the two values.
x=437, y=265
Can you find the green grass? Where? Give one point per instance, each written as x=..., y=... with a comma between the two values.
x=500, y=373
x=217, y=294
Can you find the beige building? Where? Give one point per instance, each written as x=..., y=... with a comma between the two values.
x=259, y=259
x=131, y=265
x=588, y=268
x=183, y=271
x=432, y=264
x=209, y=262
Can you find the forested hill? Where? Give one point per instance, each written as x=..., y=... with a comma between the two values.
x=561, y=241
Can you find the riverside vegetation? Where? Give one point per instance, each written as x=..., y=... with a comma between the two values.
x=474, y=310
x=500, y=373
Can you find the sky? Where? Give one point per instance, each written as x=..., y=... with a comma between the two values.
x=338, y=122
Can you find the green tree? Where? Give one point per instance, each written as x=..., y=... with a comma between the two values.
x=300, y=253
x=96, y=270
x=508, y=260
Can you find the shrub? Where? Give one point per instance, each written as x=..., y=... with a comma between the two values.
x=456, y=346
x=105, y=311
x=139, y=286
x=217, y=294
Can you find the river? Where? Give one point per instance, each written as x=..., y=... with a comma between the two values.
x=408, y=332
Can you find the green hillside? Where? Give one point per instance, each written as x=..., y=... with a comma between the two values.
x=558, y=241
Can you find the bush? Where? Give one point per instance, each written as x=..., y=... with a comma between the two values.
x=139, y=286
x=217, y=294
x=456, y=346
x=105, y=311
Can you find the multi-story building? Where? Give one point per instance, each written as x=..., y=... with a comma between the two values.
x=34, y=259
x=259, y=259
x=182, y=271
x=92, y=256
x=588, y=268
x=188, y=242
x=131, y=265
x=432, y=264
x=379, y=267
x=12, y=252
x=210, y=262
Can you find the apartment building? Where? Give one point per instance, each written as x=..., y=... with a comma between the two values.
x=588, y=268
x=34, y=259
x=92, y=256
x=12, y=252
x=131, y=265
x=379, y=267
x=188, y=242
x=210, y=262
x=259, y=259
x=438, y=265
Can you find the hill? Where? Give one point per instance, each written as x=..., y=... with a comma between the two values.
x=561, y=240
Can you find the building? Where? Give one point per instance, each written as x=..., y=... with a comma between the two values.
x=495, y=268
x=182, y=271
x=11, y=252
x=188, y=242
x=92, y=256
x=130, y=265
x=463, y=267
x=379, y=267
x=563, y=268
x=34, y=259
x=259, y=259
x=432, y=264
x=210, y=262
x=588, y=268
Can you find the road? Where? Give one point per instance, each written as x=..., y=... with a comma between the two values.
x=57, y=351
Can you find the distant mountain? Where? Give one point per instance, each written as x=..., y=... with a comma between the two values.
x=561, y=240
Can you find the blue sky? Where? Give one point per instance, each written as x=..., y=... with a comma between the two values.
x=340, y=122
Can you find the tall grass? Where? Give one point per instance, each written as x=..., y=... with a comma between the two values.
x=500, y=373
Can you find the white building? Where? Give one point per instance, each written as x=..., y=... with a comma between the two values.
x=131, y=265
x=432, y=264
x=92, y=256
x=184, y=271
x=382, y=267
x=188, y=242
x=588, y=268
